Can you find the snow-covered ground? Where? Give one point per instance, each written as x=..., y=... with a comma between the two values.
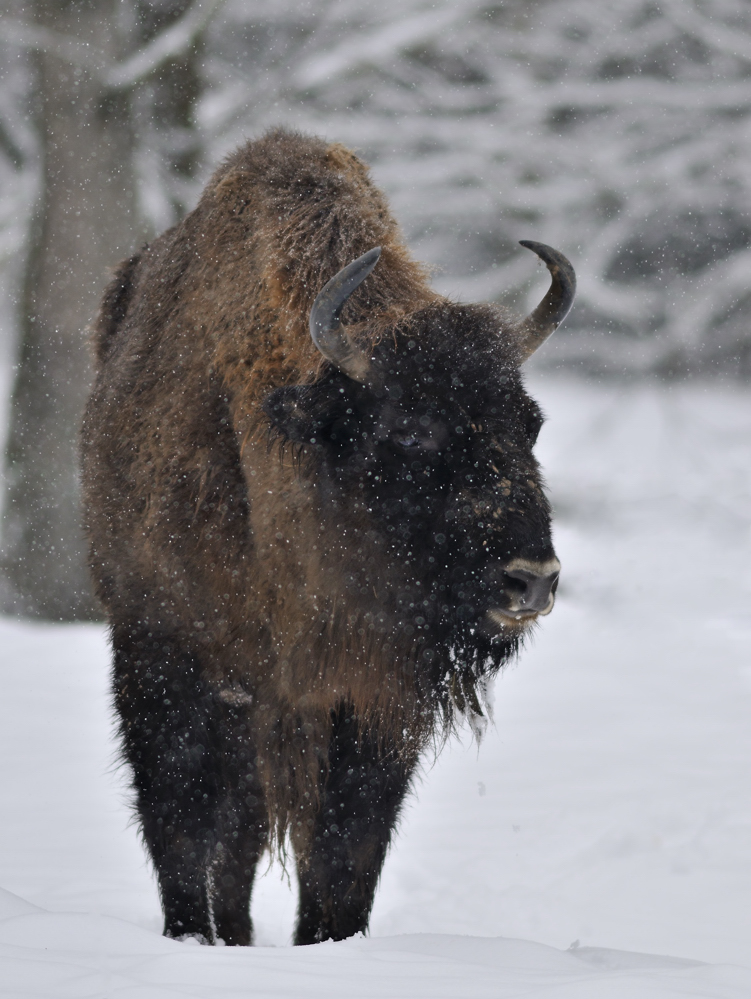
x=606, y=817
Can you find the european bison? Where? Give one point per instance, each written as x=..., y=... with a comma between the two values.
x=315, y=522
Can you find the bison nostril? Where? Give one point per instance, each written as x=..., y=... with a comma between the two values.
x=514, y=584
x=530, y=590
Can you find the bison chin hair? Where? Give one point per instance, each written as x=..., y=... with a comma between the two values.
x=468, y=661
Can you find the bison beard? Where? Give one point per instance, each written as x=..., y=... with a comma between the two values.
x=316, y=525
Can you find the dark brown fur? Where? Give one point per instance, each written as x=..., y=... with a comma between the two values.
x=224, y=570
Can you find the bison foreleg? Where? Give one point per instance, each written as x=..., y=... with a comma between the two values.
x=243, y=834
x=360, y=804
x=171, y=738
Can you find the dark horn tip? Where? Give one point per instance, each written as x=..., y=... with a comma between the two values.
x=351, y=277
x=359, y=269
x=554, y=260
x=372, y=255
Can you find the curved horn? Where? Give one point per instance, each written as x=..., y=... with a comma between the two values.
x=554, y=308
x=325, y=328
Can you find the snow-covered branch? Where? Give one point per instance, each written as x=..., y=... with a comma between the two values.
x=171, y=43
x=41, y=39
x=714, y=34
x=375, y=47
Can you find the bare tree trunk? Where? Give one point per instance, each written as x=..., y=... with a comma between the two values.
x=87, y=219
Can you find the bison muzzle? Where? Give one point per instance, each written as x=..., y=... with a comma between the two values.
x=316, y=524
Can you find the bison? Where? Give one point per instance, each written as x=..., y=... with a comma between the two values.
x=316, y=525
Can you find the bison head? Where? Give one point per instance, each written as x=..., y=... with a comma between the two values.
x=421, y=453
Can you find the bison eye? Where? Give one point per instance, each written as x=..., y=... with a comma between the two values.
x=407, y=442
x=410, y=436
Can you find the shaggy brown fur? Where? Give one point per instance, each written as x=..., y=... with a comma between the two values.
x=257, y=607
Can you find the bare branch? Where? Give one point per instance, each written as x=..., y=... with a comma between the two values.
x=39, y=39
x=644, y=93
x=374, y=47
x=170, y=44
x=714, y=34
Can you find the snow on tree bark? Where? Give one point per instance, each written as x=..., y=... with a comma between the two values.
x=86, y=218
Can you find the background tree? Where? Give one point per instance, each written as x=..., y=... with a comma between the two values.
x=103, y=76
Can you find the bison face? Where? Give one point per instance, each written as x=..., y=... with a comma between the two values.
x=428, y=473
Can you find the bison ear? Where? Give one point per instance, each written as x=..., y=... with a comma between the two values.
x=291, y=410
